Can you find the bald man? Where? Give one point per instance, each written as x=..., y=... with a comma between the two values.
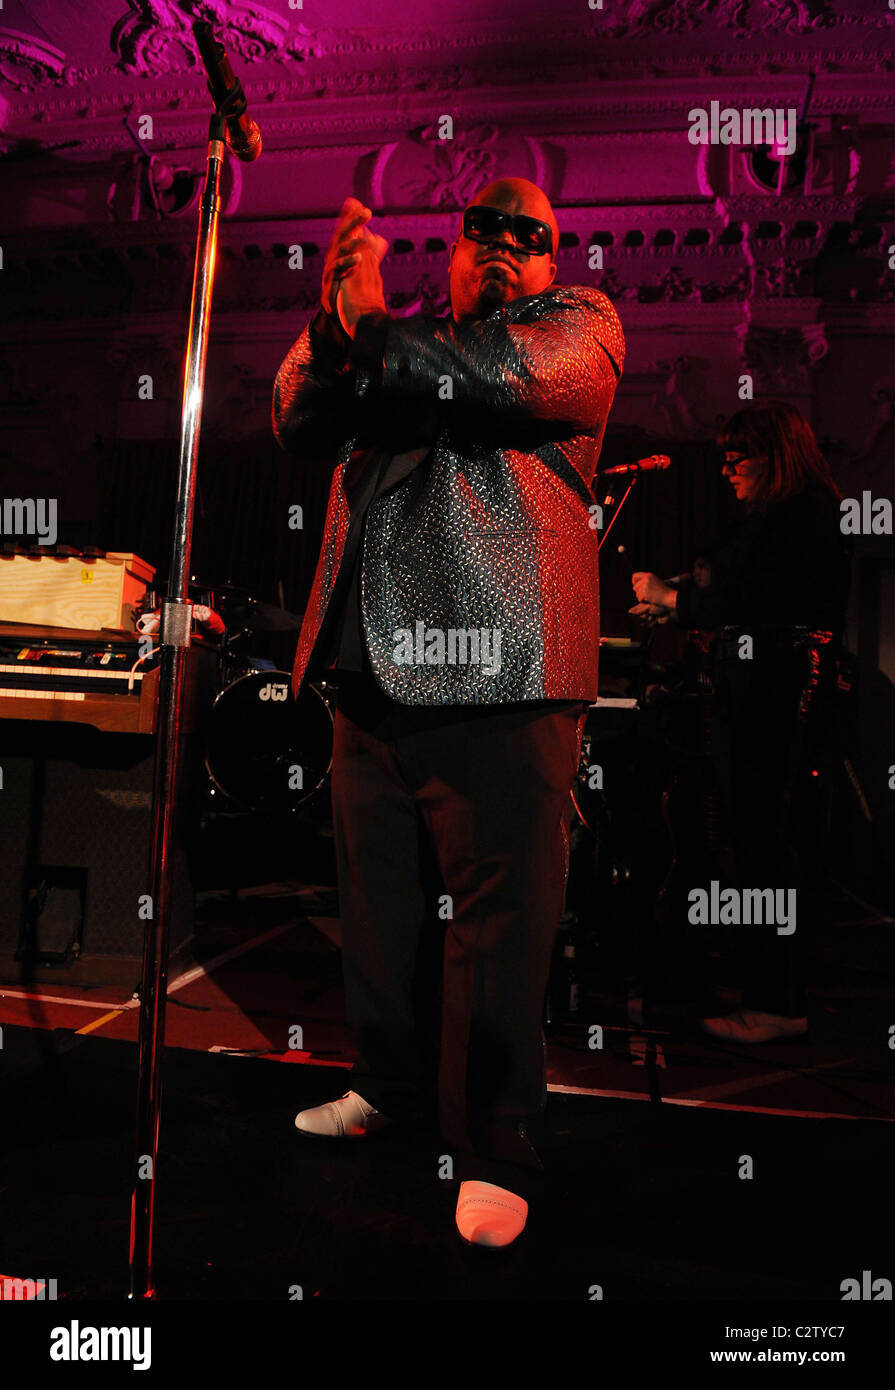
x=456, y=609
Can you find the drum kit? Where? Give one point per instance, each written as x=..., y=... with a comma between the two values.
x=264, y=750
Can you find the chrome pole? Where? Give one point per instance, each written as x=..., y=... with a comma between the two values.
x=174, y=641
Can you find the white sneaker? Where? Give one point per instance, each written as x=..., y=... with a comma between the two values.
x=350, y=1117
x=750, y=1026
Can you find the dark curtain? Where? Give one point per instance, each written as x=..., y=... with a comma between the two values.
x=241, y=534
x=242, y=537
x=668, y=519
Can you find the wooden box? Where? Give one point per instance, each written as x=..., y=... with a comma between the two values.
x=72, y=590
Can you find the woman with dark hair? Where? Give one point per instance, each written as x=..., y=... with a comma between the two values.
x=781, y=581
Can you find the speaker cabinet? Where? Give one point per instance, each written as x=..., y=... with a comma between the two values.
x=75, y=838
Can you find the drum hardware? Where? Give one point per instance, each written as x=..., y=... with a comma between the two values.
x=236, y=606
x=262, y=617
x=239, y=608
x=264, y=751
x=618, y=858
x=227, y=612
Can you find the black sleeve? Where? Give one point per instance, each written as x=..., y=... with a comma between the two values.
x=783, y=566
x=699, y=608
x=553, y=358
x=316, y=402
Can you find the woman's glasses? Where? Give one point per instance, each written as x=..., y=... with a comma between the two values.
x=484, y=224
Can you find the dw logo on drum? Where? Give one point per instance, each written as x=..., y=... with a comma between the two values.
x=273, y=692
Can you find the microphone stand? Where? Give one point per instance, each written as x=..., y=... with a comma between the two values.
x=174, y=640
x=618, y=507
x=644, y=645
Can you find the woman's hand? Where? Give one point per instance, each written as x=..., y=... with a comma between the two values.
x=651, y=612
x=650, y=589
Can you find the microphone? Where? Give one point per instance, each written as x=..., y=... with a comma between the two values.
x=242, y=134
x=648, y=465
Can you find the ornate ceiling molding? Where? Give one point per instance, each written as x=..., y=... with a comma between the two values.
x=27, y=62
x=734, y=41
x=156, y=38
x=582, y=222
x=300, y=123
x=740, y=16
x=137, y=270
x=422, y=170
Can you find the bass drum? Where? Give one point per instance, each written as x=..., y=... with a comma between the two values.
x=267, y=751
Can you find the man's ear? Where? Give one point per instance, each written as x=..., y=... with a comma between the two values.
x=552, y=272
x=453, y=248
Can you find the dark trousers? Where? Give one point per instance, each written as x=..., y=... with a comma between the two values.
x=452, y=846
x=757, y=740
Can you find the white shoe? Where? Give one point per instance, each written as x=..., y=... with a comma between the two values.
x=350, y=1117
x=489, y=1215
x=750, y=1026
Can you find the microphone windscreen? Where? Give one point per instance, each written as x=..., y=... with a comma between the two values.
x=245, y=144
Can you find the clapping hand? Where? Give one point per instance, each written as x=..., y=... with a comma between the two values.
x=352, y=283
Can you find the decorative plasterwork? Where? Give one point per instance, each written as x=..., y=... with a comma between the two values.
x=26, y=62
x=781, y=357
x=489, y=51
x=746, y=208
x=156, y=38
x=741, y=16
x=422, y=170
x=569, y=94
x=181, y=116
x=141, y=269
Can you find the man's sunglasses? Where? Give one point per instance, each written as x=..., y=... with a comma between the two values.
x=484, y=224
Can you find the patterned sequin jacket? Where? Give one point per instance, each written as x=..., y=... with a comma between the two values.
x=479, y=574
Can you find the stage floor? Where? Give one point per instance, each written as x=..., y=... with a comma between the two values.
x=643, y=1147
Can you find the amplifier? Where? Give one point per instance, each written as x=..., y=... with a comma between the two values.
x=75, y=821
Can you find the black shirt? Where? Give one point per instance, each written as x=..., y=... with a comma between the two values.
x=787, y=564
x=341, y=640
